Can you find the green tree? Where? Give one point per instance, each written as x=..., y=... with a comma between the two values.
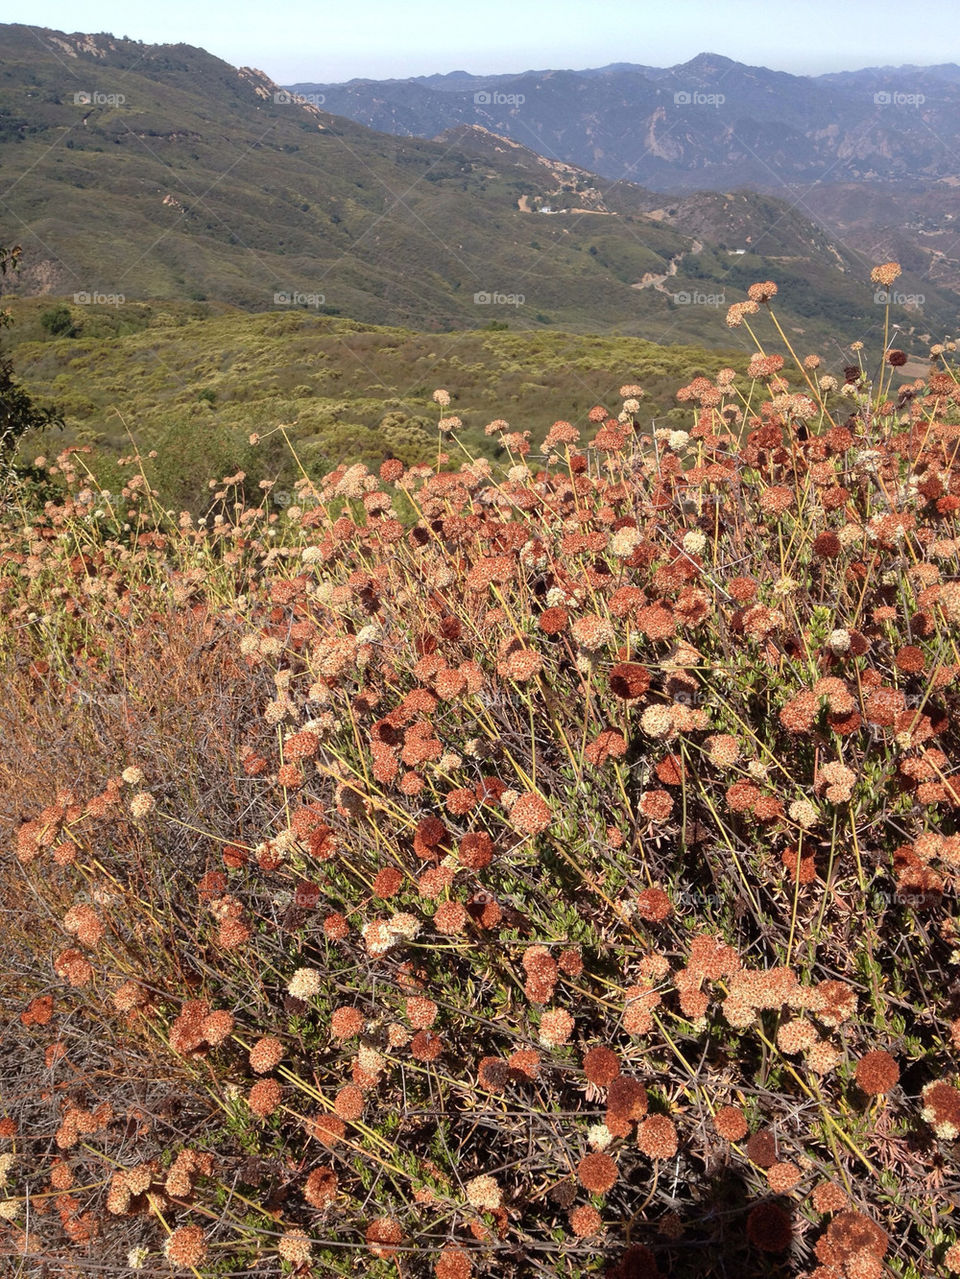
x=18, y=412
x=59, y=322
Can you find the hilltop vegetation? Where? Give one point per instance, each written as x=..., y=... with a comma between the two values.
x=192, y=383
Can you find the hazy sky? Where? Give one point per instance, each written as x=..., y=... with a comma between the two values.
x=296, y=40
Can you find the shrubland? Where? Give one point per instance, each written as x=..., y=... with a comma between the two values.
x=191, y=383
x=526, y=869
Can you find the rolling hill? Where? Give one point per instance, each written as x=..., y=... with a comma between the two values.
x=871, y=155
x=135, y=172
x=193, y=381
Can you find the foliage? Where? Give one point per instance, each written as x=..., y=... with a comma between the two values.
x=346, y=388
x=470, y=871
x=19, y=413
x=58, y=322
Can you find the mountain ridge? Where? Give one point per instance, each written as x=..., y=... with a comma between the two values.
x=177, y=175
x=756, y=126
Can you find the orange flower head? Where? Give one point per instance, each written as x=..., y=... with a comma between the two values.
x=877, y=1072
x=597, y=1173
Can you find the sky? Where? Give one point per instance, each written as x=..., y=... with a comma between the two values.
x=316, y=40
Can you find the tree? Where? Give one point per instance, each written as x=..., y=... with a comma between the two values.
x=18, y=412
x=59, y=322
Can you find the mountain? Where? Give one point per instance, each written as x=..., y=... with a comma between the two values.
x=136, y=171
x=918, y=226
x=710, y=122
x=873, y=155
x=948, y=72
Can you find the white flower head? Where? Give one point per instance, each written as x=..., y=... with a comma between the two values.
x=838, y=641
x=599, y=1136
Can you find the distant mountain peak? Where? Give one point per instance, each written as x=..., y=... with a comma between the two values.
x=709, y=122
x=702, y=61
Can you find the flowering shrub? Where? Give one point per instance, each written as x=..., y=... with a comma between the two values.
x=495, y=874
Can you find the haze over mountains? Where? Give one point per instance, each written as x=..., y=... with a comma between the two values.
x=872, y=154
x=710, y=122
x=161, y=171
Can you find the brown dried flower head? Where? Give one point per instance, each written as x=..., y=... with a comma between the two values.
x=597, y=1173
x=877, y=1072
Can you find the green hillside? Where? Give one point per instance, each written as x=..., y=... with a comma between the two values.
x=194, y=382
x=147, y=172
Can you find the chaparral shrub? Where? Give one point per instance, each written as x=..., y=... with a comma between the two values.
x=538, y=872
